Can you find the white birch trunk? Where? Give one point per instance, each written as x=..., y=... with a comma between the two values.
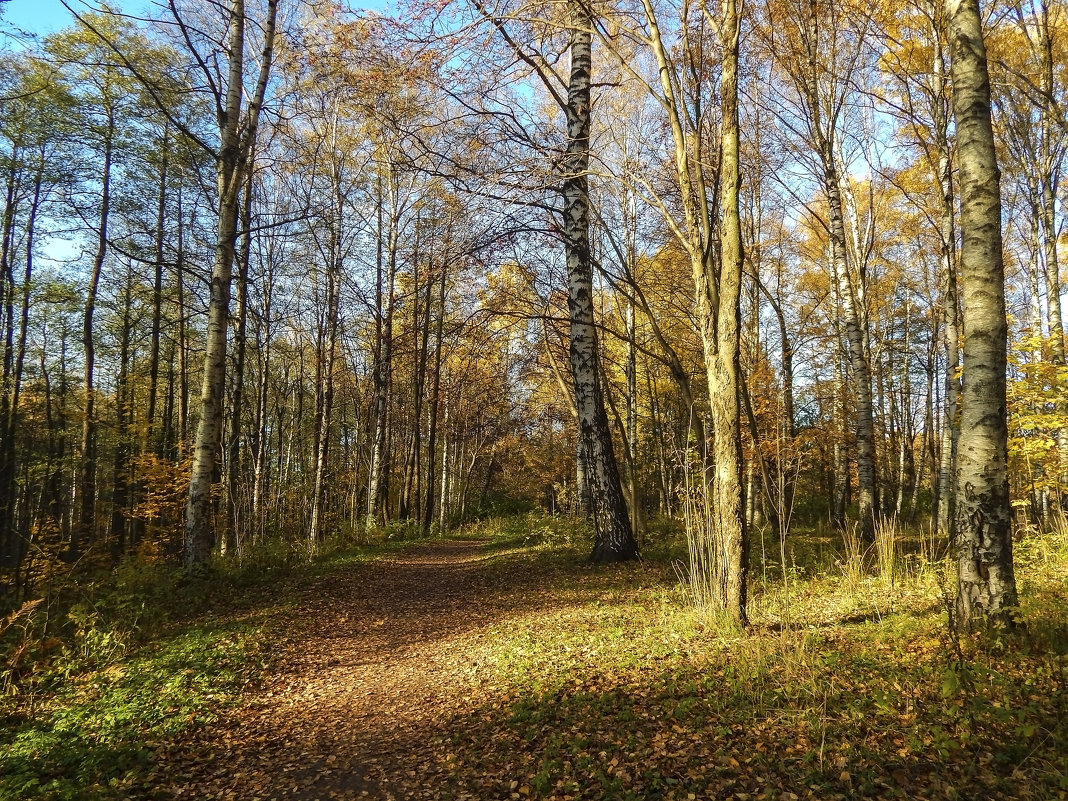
x=982, y=542
x=614, y=539
x=237, y=133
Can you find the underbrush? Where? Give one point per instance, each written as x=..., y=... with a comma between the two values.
x=105, y=669
x=566, y=536
x=93, y=732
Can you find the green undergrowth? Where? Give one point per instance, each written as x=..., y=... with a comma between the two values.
x=533, y=532
x=601, y=682
x=104, y=671
x=94, y=733
x=849, y=685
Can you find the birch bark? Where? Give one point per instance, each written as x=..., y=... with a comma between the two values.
x=614, y=538
x=982, y=540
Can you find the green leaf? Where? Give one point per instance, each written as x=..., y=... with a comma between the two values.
x=951, y=685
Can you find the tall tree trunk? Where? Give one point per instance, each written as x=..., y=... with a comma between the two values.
x=183, y=340
x=237, y=133
x=235, y=524
x=322, y=436
x=435, y=403
x=1050, y=142
x=12, y=540
x=789, y=425
x=982, y=542
x=410, y=504
x=855, y=350
x=614, y=539
x=946, y=491
x=261, y=433
x=1050, y=157
x=199, y=536
x=723, y=368
x=123, y=413
x=10, y=549
x=850, y=287
x=446, y=476
x=840, y=491
x=928, y=452
x=149, y=444
x=383, y=368
x=631, y=371
x=82, y=531
x=905, y=428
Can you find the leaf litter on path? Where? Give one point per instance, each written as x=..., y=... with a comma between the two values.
x=377, y=660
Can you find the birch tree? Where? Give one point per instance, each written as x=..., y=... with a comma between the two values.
x=238, y=121
x=982, y=537
x=596, y=460
x=713, y=247
x=614, y=537
x=822, y=49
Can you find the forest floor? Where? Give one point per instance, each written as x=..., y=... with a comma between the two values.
x=502, y=666
x=476, y=669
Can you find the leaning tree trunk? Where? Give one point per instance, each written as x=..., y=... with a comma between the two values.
x=614, y=539
x=982, y=542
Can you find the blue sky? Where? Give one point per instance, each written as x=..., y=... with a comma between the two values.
x=42, y=17
x=45, y=16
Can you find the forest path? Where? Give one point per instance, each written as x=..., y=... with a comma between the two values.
x=379, y=666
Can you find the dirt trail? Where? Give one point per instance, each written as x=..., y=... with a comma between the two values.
x=380, y=665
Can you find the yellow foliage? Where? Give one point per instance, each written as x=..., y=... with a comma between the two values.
x=1038, y=414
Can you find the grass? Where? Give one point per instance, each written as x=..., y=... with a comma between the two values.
x=605, y=683
x=849, y=685
x=95, y=734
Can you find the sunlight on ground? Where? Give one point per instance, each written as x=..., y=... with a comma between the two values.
x=849, y=685
x=550, y=678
